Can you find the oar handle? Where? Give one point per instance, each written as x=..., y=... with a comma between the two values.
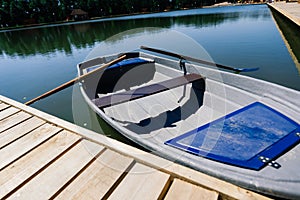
x=73, y=81
x=198, y=60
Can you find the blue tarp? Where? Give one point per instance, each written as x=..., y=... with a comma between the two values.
x=123, y=63
x=243, y=137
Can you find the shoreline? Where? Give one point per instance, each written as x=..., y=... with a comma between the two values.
x=289, y=10
x=112, y=17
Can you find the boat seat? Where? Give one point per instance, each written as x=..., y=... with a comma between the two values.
x=147, y=90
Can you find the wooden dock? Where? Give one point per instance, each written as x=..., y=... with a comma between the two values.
x=290, y=10
x=43, y=157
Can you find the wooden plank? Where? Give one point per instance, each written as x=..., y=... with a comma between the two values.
x=26, y=143
x=48, y=182
x=142, y=182
x=176, y=170
x=145, y=91
x=7, y=112
x=24, y=168
x=19, y=130
x=13, y=120
x=3, y=106
x=183, y=190
x=98, y=178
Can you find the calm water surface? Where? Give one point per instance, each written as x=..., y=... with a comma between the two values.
x=33, y=61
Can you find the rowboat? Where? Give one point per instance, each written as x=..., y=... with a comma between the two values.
x=237, y=128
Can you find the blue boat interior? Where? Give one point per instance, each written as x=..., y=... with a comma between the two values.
x=251, y=137
x=132, y=68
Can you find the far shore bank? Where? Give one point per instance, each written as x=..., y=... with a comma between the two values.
x=95, y=19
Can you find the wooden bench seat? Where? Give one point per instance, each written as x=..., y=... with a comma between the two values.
x=144, y=91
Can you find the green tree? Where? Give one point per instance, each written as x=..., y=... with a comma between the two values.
x=15, y=12
x=4, y=13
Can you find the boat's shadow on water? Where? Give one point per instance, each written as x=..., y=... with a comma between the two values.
x=170, y=117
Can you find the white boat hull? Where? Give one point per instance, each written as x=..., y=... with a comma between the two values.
x=144, y=121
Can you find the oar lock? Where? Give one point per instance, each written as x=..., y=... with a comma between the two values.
x=182, y=62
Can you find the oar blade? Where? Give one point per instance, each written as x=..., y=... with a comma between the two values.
x=247, y=69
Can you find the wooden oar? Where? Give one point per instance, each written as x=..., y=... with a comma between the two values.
x=73, y=81
x=198, y=60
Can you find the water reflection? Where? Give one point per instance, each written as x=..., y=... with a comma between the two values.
x=291, y=35
x=63, y=38
x=33, y=61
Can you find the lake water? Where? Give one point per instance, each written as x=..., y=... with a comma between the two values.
x=33, y=61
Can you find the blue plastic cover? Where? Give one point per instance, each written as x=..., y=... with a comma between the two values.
x=242, y=138
x=123, y=63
